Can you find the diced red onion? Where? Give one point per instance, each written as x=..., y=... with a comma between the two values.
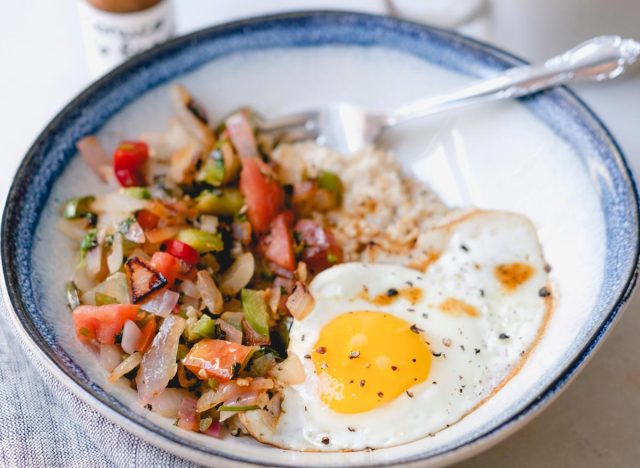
x=300, y=302
x=130, y=337
x=214, y=430
x=209, y=292
x=231, y=333
x=162, y=303
x=187, y=414
x=238, y=275
x=278, y=270
x=125, y=366
x=110, y=356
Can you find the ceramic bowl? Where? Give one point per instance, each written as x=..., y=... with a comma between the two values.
x=547, y=156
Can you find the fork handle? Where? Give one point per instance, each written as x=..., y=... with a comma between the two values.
x=601, y=58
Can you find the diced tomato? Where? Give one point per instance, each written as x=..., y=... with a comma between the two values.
x=278, y=245
x=148, y=332
x=102, y=322
x=182, y=251
x=128, y=159
x=217, y=359
x=320, y=247
x=147, y=219
x=166, y=264
x=263, y=194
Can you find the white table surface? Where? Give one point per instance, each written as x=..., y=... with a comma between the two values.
x=596, y=421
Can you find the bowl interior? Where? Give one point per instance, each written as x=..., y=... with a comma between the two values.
x=546, y=157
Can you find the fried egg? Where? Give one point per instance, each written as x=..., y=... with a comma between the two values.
x=392, y=354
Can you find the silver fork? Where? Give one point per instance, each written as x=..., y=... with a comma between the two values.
x=348, y=128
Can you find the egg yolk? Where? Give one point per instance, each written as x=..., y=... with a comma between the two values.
x=365, y=359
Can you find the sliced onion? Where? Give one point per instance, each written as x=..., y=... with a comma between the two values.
x=135, y=233
x=248, y=399
x=214, y=430
x=162, y=303
x=234, y=318
x=130, y=337
x=231, y=333
x=300, y=302
x=241, y=231
x=282, y=272
x=189, y=288
x=274, y=298
x=81, y=278
x=159, y=362
x=209, y=292
x=94, y=262
x=302, y=272
x=238, y=275
x=125, y=366
x=93, y=154
x=159, y=235
x=168, y=402
x=289, y=372
x=116, y=202
x=187, y=414
x=209, y=223
x=141, y=254
x=110, y=356
x=115, y=286
x=181, y=99
x=231, y=392
x=241, y=133
x=114, y=260
x=73, y=228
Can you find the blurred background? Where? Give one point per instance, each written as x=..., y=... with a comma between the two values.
x=47, y=56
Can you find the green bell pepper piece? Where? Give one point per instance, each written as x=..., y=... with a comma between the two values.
x=77, y=207
x=202, y=241
x=255, y=310
x=226, y=201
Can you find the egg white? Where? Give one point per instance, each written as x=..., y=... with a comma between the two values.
x=472, y=356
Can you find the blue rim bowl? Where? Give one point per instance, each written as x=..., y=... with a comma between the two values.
x=54, y=148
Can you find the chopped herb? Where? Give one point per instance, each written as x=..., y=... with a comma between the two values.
x=89, y=241
x=141, y=193
x=85, y=332
x=124, y=226
x=332, y=258
x=238, y=408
